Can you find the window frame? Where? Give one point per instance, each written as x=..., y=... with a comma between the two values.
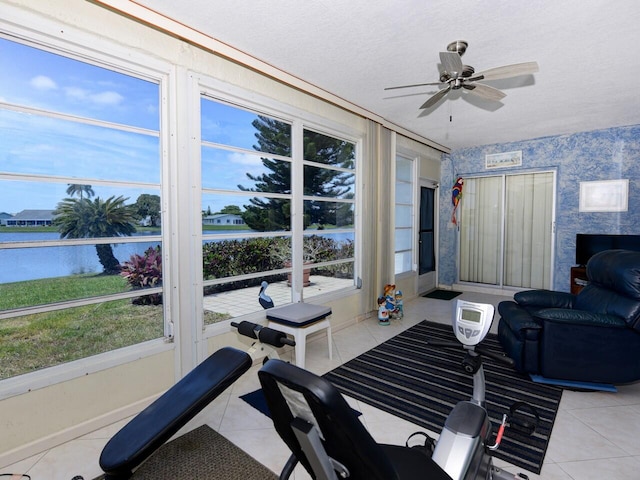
x=114, y=57
x=221, y=91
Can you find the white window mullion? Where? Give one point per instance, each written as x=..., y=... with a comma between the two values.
x=297, y=210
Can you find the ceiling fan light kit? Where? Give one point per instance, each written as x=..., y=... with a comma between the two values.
x=455, y=75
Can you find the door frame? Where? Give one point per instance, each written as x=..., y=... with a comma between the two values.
x=428, y=281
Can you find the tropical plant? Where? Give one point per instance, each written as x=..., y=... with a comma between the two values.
x=85, y=218
x=145, y=271
x=80, y=190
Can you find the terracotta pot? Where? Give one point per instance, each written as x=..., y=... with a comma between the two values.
x=306, y=273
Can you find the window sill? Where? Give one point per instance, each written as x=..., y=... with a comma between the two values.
x=86, y=366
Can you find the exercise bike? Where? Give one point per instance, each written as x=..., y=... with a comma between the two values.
x=463, y=448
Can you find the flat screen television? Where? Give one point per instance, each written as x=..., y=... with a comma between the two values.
x=588, y=244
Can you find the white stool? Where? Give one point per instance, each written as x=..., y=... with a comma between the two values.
x=300, y=320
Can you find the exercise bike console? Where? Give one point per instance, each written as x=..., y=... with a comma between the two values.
x=472, y=321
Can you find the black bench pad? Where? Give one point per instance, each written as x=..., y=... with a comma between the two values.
x=157, y=423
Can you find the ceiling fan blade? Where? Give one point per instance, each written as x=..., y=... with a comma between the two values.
x=414, y=85
x=451, y=63
x=436, y=98
x=485, y=91
x=507, y=71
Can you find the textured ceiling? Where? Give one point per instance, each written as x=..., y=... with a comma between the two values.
x=586, y=50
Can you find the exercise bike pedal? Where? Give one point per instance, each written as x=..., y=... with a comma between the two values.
x=427, y=446
x=523, y=418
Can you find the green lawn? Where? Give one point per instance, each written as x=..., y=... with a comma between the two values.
x=32, y=342
x=52, y=290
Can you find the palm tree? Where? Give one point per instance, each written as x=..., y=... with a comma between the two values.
x=85, y=218
x=79, y=189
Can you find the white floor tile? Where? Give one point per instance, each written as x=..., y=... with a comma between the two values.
x=594, y=437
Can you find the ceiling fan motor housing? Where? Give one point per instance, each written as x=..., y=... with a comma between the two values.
x=459, y=46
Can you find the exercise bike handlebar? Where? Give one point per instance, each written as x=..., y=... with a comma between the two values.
x=477, y=349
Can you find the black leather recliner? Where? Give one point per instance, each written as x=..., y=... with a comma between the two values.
x=590, y=337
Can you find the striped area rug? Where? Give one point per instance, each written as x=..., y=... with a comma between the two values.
x=420, y=383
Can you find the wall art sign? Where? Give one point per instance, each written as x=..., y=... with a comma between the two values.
x=604, y=196
x=502, y=160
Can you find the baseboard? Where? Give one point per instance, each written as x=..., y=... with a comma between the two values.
x=504, y=292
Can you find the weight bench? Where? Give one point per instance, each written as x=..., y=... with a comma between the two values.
x=300, y=320
x=157, y=423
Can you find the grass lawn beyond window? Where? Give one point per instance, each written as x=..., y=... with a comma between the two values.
x=32, y=342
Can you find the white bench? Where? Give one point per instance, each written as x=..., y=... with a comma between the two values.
x=301, y=320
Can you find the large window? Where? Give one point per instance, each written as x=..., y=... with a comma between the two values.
x=271, y=216
x=80, y=228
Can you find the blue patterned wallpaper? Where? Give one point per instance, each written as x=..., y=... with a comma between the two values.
x=609, y=154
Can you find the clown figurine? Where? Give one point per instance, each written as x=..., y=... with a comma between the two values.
x=390, y=298
x=383, y=313
x=399, y=311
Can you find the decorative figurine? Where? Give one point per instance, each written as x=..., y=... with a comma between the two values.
x=389, y=295
x=263, y=298
x=383, y=313
x=399, y=311
x=456, y=196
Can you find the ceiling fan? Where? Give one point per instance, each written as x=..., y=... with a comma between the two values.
x=454, y=75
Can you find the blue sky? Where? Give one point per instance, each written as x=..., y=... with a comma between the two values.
x=42, y=145
x=34, y=144
x=41, y=79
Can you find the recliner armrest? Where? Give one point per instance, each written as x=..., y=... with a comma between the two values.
x=544, y=298
x=580, y=317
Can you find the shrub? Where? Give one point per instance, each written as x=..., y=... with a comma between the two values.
x=145, y=271
x=228, y=258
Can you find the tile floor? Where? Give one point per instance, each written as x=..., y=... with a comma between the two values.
x=595, y=435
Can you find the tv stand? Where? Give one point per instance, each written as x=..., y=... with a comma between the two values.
x=578, y=279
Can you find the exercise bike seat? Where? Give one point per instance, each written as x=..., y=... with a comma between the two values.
x=157, y=423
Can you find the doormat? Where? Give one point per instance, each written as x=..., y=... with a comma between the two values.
x=442, y=294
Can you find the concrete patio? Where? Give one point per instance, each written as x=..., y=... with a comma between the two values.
x=245, y=300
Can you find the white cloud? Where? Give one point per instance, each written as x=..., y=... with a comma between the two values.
x=101, y=98
x=42, y=82
x=107, y=98
x=244, y=159
x=76, y=93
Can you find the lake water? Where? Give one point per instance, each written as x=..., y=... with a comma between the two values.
x=21, y=264
x=17, y=265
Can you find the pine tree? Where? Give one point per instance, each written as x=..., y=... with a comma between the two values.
x=275, y=214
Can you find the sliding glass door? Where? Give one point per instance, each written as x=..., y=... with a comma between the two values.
x=506, y=226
